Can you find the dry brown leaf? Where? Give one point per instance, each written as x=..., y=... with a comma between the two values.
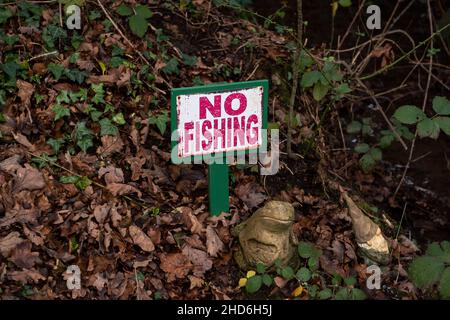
x=199, y=259
x=213, y=243
x=23, y=257
x=101, y=212
x=25, y=275
x=190, y=220
x=118, y=189
x=112, y=174
x=26, y=90
x=33, y=236
x=29, y=178
x=9, y=242
x=11, y=164
x=110, y=145
x=195, y=282
x=175, y=265
x=141, y=239
x=251, y=194
x=20, y=138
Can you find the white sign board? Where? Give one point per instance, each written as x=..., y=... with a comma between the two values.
x=219, y=122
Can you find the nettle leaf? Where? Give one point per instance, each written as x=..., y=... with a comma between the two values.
x=303, y=274
x=354, y=127
x=342, y=89
x=253, y=284
x=60, y=111
x=124, y=10
x=310, y=78
x=325, y=294
x=428, y=128
x=305, y=249
x=56, y=69
x=376, y=154
x=143, y=11
x=367, y=162
x=320, y=91
x=409, y=114
x=362, y=148
x=108, y=128
x=441, y=106
x=425, y=271
x=331, y=71
x=444, y=284
x=138, y=25
x=287, y=273
x=386, y=141
x=357, y=294
x=444, y=124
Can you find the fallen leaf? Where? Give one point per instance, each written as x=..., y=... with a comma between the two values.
x=195, y=282
x=175, y=265
x=251, y=194
x=110, y=145
x=141, y=239
x=112, y=174
x=9, y=242
x=29, y=178
x=26, y=90
x=118, y=189
x=23, y=257
x=101, y=212
x=25, y=275
x=11, y=164
x=213, y=243
x=199, y=259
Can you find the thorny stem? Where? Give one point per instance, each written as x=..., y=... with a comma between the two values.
x=296, y=67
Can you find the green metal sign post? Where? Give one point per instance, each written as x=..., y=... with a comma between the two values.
x=214, y=123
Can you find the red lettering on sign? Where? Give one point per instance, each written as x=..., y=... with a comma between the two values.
x=188, y=136
x=206, y=104
x=254, y=138
x=242, y=104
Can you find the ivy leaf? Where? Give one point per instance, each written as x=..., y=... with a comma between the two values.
x=189, y=60
x=68, y=179
x=63, y=96
x=108, y=128
x=310, y=78
x=60, y=111
x=425, y=271
x=83, y=136
x=428, y=128
x=80, y=182
x=441, y=106
x=253, y=284
x=119, y=119
x=138, y=25
x=143, y=11
x=171, y=67
x=56, y=69
x=160, y=121
x=444, y=124
x=75, y=75
x=409, y=114
x=124, y=10
x=354, y=127
x=320, y=91
x=362, y=148
x=55, y=144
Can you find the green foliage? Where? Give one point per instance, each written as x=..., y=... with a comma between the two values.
x=83, y=136
x=80, y=182
x=137, y=18
x=108, y=128
x=51, y=34
x=43, y=160
x=253, y=284
x=60, y=111
x=160, y=121
x=409, y=114
x=432, y=270
x=56, y=144
x=171, y=67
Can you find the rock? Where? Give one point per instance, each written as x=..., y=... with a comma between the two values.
x=267, y=236
x=372, y=244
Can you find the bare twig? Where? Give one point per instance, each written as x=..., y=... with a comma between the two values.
x=425, y=98
x=296, y=67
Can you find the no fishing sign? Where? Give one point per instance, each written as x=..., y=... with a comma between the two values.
x=214, y=122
